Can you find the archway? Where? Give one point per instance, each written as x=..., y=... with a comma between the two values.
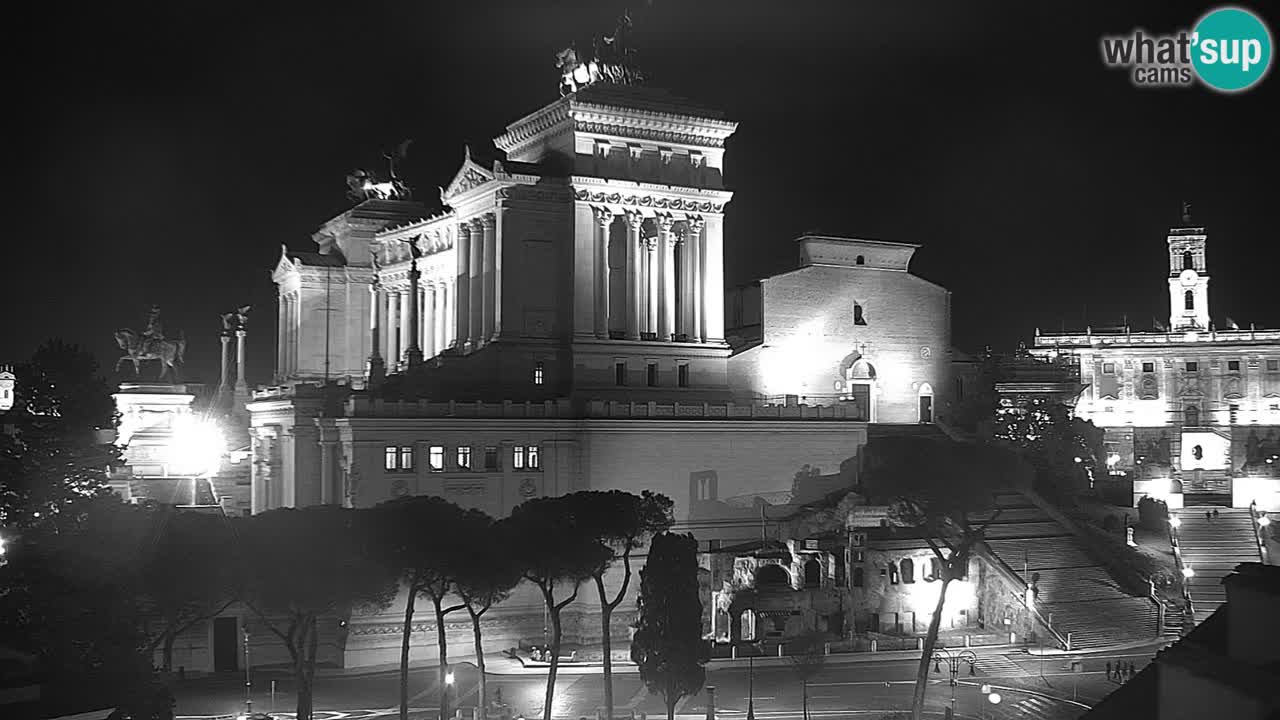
x=772, y=577
x=925, y=403
x=813, y=573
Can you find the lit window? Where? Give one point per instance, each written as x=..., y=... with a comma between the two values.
x=436, y=458
x=652, y=374
x=406, y=458
x=390, y=458
x=1109, y=368
x=539, y=371
x=682, y=375
x=534, y=457
x=517, y=457
x=620, y=373
x=464, y=458
x=1148, y=367
x=525, y=457
x=1233, y=365
x=1193, y=366
x=491, y=458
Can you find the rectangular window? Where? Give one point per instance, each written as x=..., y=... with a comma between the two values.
x=406, y=458
x=534, y=457
x=435, y=457
x=959, y=389
x=620, y=373
x=682, y=375
x=491, y=458
x=1233, y=365
x=1273, y=365
x=464, y=458
x=391, y=458
x=1109, y=368
x=539, y=373
x=1148, y=367
x=652, y=376
x=517, y=457
x=1193, y=366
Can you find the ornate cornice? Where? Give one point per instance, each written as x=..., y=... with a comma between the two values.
x=533, y=125
x=648, y=201
x=651, y=134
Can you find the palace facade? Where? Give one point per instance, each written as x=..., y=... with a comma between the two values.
x=559, y=324
x=1192, y=410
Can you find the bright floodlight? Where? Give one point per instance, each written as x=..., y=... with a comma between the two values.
x=448, y=678
x=197, y=446
x=1262, y=521
x=1187, y=572
x=1175, y=521
x=994, y=698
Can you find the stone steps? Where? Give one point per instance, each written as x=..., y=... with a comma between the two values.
x=1212, y=548
x=1040, y=553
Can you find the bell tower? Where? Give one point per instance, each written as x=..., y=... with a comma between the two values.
x=1188, y=276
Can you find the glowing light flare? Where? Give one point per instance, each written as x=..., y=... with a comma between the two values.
x=448, y=678
x=994, y=698
x=1175, y=522
x=197, y=446
x=1262, y=522
x=1188, y=573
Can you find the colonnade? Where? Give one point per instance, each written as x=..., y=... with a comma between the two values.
x=290, y=322
x=391, y=316
x=663, y=273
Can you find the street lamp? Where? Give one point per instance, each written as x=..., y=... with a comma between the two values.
x=248, y=685
x=1263, y=521
x=448, y=686
x=1175, y=522
x=953, y=662
x=1187, y=572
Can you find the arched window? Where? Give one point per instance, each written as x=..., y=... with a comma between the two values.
x=1188, y=261
x=1191, y=416
x=935, y=569
x=772, y=576
x=860, y=260
x=1189, y=299
x=859, y=577
x=908, y=570
x=858, y=319
x=812, y=574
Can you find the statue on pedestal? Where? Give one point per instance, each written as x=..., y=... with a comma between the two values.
x=151, y=345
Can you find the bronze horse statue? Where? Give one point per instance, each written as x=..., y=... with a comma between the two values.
x=138, y=349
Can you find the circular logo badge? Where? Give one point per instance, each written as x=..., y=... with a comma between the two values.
x=1231, y=49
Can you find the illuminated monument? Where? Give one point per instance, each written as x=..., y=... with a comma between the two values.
x=1192, y=409
x=559, y=324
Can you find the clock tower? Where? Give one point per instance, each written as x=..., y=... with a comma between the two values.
x=1188, y=276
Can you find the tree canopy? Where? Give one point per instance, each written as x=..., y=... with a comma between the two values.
x=668, y=645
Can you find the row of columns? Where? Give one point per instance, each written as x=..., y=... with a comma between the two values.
x=479, y=285
x=401, y=320
x=652, y=284
x=290, y=322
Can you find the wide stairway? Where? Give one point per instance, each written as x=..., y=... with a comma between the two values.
x=1076, y=594
x=1212, y=548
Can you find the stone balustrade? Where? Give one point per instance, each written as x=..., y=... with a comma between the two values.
x=357, y=406
x=728, y=411
x=1050, y=340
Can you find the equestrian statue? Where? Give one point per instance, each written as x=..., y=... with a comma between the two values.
x=152, y=345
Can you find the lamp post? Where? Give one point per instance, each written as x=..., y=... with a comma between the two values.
x=248, y=684
x=953, y=662
x=448, y=686
x=751, y=678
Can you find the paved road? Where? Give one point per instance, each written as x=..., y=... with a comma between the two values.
x=1030, y=687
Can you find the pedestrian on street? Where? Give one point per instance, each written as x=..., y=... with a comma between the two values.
x=1208, y=516
x=1108, y=669
x=1215, y=513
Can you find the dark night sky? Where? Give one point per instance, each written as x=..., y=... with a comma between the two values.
x=165, y=150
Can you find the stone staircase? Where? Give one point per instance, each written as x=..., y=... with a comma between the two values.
x=1075, y=593
x=1206, y=487
x=1213, y=549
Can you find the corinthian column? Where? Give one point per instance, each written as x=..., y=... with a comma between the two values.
x=404, y=315
x=377, y=369
x=242, y=385
x=281, y=341
x=393, y=325
x=604, y=220
x=634, y=221
x=489, y=311
x=475, y=328
x=697, y=274
x=667, y=279
x=430, y=347
x=652, y=271
x=462, y=296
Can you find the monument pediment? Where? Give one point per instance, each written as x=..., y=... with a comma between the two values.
x=470, y=176
x=284, y=266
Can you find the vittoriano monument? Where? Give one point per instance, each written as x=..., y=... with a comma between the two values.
x=151, y=344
